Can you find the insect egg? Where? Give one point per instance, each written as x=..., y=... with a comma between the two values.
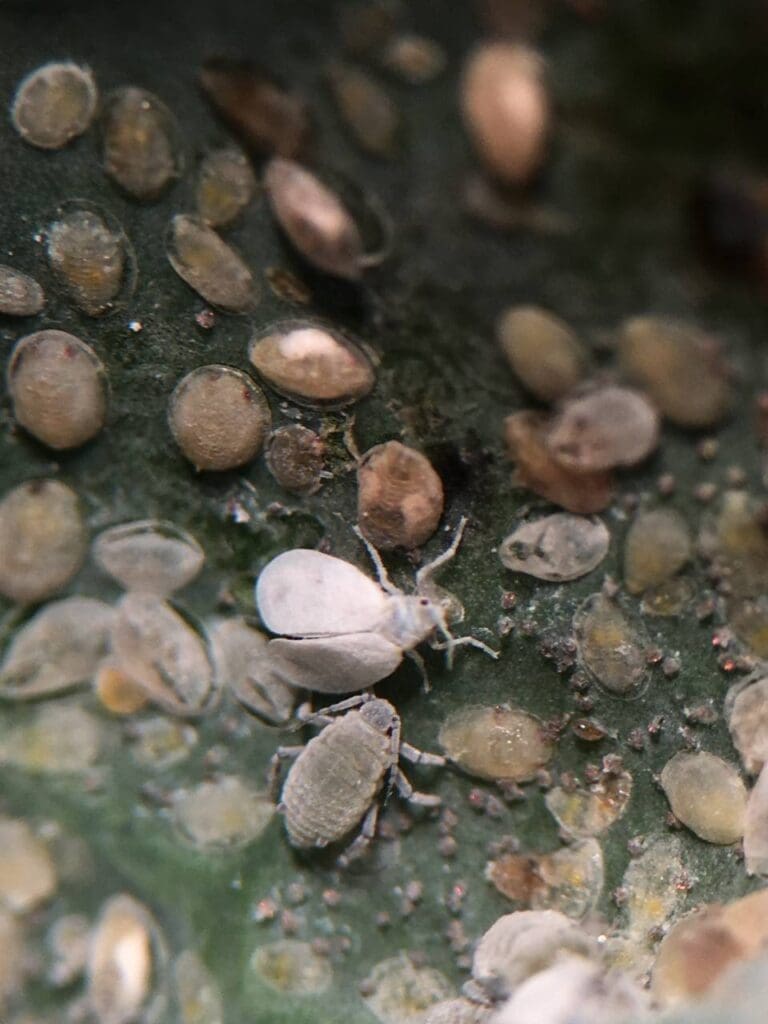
x=399, y=496
x=20, y=295
x=312, y=364
x=54, y=104
x=208, y=265
x=219, y=417
x=57, y=386
x=141, y=143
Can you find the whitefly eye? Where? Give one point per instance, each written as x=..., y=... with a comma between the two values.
x=424, y=602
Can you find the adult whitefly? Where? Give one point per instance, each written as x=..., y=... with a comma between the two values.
x=312, y=364
x=242, y=665
x=142, y=153
x=162, y=652
x=126, y=968
x=521, y=944
x=608, y=427
x=54, y=104
x=586, y=812
x=399, y=496
x=59, y=739
x=150, y=555
x=226, y=185
x=556, y=548
x=58, y=648
x=707, y=795
x=58, y=388
x=92, y=259
x=366, y=108
x=43, y=539
x=20, y=294
x=211, y=267
x=542, y=350
x=219, y=417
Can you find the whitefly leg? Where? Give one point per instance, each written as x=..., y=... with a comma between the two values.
x=463, y=641
x=416, y=756
x=275, y=764
x=418, y=661
x=363, y=840
x=425, y=574
x=407, y=792
x=381, y=569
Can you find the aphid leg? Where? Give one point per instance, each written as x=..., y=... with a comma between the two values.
x=407, y=792
x=416, y=756
x=426, y=572
x=418, y=661
x=275, y=763
x=342, y=705
x=306, y=716
x=381, y=571
x=363, y=840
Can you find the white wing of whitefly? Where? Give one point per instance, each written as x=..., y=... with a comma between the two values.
x=58, y=648
x=149, y=555
x=161, y=651
x=334, y=664
x=242, y=664
x=306, y=593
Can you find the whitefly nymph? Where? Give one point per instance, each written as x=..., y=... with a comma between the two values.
x=339, y=631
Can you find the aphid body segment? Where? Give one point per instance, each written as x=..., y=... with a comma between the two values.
x=333, y=783
x=339, y=630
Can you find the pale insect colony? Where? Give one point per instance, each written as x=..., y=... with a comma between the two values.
x=535, y=964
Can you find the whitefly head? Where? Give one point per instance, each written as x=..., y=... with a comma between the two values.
x=412, y=618
x=379, y=714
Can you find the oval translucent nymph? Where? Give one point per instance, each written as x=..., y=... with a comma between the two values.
x=221, y=815
x=225, y=186
x=88, y=252
x=292, y=967
x=58, y=388
x=210, y=266
x=54, y=104
x=496, y=742
x=149, y=555
x=543, y=351
x=398, y=991
x=141, y=142
x=312, y=364
x=707, y=795
x=658, y=545
x=609, y=646
x=20, y=295
x=219, y=417
x=399, y=496
x=43, y=539
x=556, y=548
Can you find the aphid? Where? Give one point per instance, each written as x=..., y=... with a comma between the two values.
x=707, y=795
x=221, y=815
x=57, y=649
x=90, y=255
x=556, y=548
x=59, y=739
x=141, y=143
x=54, y=104
x=519, y=945
x=658, y=545
x=197, y=992
x=543, y=351
x=43, y=539
x=366, y=108
x=210, y=266
x=680, y=367
x=506, y=110
x=267, y=118
x=295, y=458
x=157, y=648
x=27, y=872
x=317, y=221
x=20, y=295
x=414, y=59
x=537, y=468
x=609, y=647
x=312, y=364
x=127, y=962
x=341, y=631
x=218, y=417
x=58, y=387
x=149, y=555
x=333, y=784
x=239, y=656
x=292, y=967
x=225, y=186
x=399, y=991
x=399, y=496
x=494, y=743
x=604, y=428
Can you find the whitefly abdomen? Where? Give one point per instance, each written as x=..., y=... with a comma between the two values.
x=334, y=781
